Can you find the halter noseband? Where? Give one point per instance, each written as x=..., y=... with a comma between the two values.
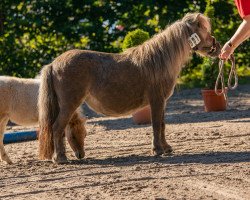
x=213, y=47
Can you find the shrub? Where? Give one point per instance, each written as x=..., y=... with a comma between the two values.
x=135, y=38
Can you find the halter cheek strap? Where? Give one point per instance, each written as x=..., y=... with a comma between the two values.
x=194, y=40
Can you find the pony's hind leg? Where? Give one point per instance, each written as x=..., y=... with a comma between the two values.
x=59, y=126
x=58, y=137
x=70, y=92
x=76, y=133
x=3, y=122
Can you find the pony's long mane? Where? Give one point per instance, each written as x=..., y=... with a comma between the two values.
x=165, y=54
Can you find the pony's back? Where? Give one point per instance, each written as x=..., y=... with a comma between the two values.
x=19, y=99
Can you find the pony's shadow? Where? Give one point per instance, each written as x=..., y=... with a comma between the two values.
x=198, y=117
x=118, y=124
x=89, y=113
x=177, y=118
x=200, y=158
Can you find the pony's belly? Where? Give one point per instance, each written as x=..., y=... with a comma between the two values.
x=24, y=119
x=111, y=109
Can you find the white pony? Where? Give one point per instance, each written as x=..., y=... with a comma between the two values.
x=18, y=103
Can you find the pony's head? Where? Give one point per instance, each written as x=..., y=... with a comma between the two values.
x=200, y=39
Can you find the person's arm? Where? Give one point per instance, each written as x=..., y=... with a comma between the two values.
x=242, y=34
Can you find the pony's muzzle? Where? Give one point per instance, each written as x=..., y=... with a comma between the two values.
x=215, y=49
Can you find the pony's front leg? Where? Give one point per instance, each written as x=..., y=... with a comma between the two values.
x=157, y=112
x=167, y=148
x=3, y=123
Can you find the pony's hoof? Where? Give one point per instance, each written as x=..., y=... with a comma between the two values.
x=7, y=161
x=60, y=159
x=168, y=150
x=79, y=155
x=157, y=152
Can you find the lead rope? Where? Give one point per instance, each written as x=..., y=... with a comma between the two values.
x=233, y=72
x=220, y=78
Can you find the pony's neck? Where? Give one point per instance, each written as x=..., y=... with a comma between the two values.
x=165, y=53
x=179, y=49
x=173, y=45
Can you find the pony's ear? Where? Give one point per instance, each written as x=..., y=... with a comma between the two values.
x=203, y=21
x=198, y=20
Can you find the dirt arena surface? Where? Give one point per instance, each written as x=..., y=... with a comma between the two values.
x=211, y=158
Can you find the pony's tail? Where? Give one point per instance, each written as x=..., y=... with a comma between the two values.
x=48, y=111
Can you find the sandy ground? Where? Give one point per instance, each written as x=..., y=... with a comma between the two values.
x=211, y=158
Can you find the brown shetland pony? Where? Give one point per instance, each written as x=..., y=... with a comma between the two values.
x=119, y=84
x=18, y=103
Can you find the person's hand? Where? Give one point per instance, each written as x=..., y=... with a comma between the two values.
x=226, y=51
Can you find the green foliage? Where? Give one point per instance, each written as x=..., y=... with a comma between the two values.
x=33, y=33
x=209, y=10
x=209, y=72
x=134, y=38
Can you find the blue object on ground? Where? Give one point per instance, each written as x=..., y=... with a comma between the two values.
x=19, y=136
